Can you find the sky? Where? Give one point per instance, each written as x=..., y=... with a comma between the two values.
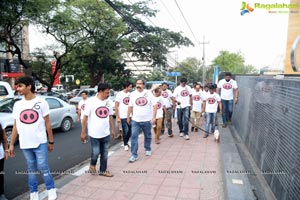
x=259, y=35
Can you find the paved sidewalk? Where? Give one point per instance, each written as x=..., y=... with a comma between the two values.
x=177, y=169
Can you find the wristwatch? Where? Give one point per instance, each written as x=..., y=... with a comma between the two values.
x=51, y=142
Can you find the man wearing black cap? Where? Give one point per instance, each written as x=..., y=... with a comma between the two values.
x=183, y=99
x=228, y=86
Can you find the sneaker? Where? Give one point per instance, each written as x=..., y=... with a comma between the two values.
x=187, y=137
x=132, y=159
x=126, y=148
x=148, y=153
x=192, y=129
x=224, y=125
x=34, y=196
x=229, y=122
x=205, y=136
x=106, y=174
x=2, y=197
x=196, y=129
x=52, y=194
x=170, y=135
x=181, y=135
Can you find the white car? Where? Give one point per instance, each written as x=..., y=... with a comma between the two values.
x=62, y=114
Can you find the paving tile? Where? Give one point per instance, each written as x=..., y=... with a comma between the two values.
x=85, y=191
x=119, y=195
x=142, y=197
x=112, y=185
x=168, y=191
x=102, y=194
x=172, y=182
x=152, y=180
x=188, y=193
x=130, y=187
x=164, y=198
x=148, y=189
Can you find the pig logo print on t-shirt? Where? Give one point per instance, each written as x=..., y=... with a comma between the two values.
x=164, y=94
x=184, y=93
x=82, y=106
x=30, y=116
x=211, y=100
x=102, y=112
x=227, y=86
x=159, y=105
x=197, y=98
x=126, y=100
x=142, y=101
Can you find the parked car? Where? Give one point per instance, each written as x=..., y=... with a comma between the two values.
x=62, y=115
x=5, y=90
x=55, y=94
x=75, y=100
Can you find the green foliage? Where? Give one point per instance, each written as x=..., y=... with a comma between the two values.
x=233, y=62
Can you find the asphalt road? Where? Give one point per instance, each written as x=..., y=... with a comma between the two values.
x=68, y=152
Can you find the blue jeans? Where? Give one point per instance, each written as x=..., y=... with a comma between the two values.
x=37, y=162
x=100, y=146
x=210, y=118
x=126, y=131
x=183, y=117
x=135, y=128
x=227, y=108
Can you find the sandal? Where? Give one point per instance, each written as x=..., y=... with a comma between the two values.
x=92, y=170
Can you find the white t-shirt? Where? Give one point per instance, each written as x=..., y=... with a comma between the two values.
x=227, y=88
x=159, y=103
x=123, y=99
x=98, y=112
x=81, y=106
x=182, y=94
x=141, y=103
x=29, y=116
x=212, y=100
x=167, y=94
x=197, y=100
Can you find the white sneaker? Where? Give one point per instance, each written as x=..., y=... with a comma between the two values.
x=34, y=196
x=181, y=135
x=52, y=194
x=148, y=153
x=126, y=148
x=187, y=137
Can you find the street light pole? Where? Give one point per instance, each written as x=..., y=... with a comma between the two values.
x=203, y=59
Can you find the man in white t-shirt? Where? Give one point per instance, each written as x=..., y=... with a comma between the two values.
x=98, y=115
x=211, y=101
x=141, y=108
x=32, y=123
x=228, y=87
x=168, y=114
x=81, y=106
x=183, y=98
x=197, y=96
x=121, y=107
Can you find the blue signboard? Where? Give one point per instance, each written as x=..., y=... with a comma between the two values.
x=173, y=74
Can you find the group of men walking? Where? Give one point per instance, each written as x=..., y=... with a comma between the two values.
x=138, y=110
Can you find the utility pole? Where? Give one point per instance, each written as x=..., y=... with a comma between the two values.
x=203, y=59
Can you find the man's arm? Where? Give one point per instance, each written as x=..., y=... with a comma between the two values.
x=128, y=114
x=13, y=140
x=117, y=112
x=154, y=114
x=236, y=95
x=83, y=128
x=220, y=106
x=203, y=106
x=49, y=132
x=112, y=126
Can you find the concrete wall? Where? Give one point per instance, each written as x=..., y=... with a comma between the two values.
x=267, y=118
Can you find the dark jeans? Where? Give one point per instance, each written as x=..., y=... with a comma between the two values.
x=183, y=117
x=100, y=146
x=126, y=131
x=1, y=176
x=227, y=108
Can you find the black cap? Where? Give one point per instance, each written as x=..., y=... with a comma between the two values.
x=212, y=86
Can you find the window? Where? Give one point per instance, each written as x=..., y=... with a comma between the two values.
x=53, y=103
x=3, y=91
